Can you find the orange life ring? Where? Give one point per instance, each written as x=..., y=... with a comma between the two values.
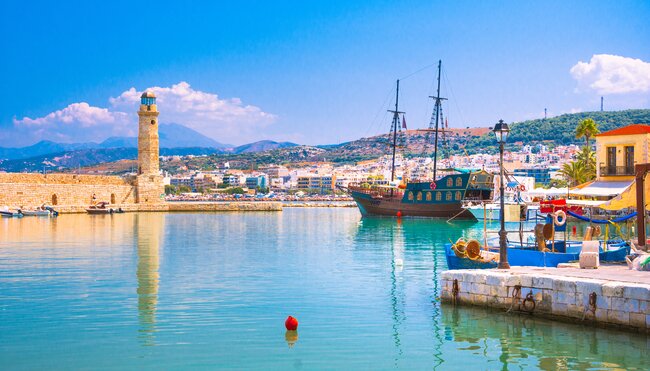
x=432, y=185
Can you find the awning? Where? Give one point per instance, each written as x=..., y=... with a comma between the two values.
x=548, y=192
x=585, y=202
x=627, y=199
x=602, y=189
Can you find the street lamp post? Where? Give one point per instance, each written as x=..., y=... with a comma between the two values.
x=501, y=131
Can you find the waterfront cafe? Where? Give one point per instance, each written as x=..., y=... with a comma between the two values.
x=617, y=151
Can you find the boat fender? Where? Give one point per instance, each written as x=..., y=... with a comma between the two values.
x=559, y=218
x=432, y=185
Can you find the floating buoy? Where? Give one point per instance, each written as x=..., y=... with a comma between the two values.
x=399, y=214
x=291, y=324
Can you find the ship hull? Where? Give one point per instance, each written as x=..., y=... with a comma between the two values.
x=387, y=206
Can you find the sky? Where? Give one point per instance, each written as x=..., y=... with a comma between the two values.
x=311, y=72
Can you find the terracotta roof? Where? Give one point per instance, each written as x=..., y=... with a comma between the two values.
x=148, y=94
x=627, y=130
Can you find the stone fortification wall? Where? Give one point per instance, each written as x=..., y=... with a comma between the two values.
x=28, y=189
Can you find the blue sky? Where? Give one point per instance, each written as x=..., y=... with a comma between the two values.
x=313, y=72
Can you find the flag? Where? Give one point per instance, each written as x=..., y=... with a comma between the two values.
x=403, y=122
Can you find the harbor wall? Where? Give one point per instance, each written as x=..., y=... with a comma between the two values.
x=554, y=294
x=31, y=189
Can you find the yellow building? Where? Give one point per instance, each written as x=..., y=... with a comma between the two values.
x=617, y=151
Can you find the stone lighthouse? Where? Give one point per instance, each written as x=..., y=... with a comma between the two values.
x=150, y=187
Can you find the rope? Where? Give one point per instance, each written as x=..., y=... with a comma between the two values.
x=601, y=221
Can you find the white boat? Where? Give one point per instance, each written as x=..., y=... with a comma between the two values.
x=514, y=211
x=6, y=212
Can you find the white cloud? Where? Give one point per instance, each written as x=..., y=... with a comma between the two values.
x=222, y=119
x=612, y=74
x=225, y=120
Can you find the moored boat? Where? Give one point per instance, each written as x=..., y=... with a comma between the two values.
x=439, y=197
x=100, y=209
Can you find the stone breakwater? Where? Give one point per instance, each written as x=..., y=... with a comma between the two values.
x=610, y=295
x=184, y=207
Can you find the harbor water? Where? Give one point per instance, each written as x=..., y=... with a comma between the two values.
x=212, y=290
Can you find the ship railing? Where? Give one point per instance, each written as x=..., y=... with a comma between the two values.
x=376, y=191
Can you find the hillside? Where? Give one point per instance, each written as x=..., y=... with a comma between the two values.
x=560, y=129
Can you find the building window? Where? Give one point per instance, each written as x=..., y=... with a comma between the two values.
x=459, y=182
x=448, y=196
x=629, y=160
x=458, y=195
x=428, y=196
x=410, y=196
x=438, y=196
x=450, y=182
x=611, y=157
x=419, y=197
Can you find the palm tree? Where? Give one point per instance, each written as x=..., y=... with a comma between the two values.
x=575, y=172
x=587, y=128
x=588, y=159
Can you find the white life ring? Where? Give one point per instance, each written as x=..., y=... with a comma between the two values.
x=522, y=187
x=559, y=218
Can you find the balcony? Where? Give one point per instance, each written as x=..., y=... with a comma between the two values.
x=616, y=170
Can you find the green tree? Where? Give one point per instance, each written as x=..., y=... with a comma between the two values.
x=587, y=128
x=184, y=189
x=575, y=172
x=170, y=190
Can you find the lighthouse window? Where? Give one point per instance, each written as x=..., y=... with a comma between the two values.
x=410, y=196
x=459, y=182
x=419, y=197
x=450, y=182
x=458, y=195
x=438, y=196
x=448, y=196
x=428, y=196
x=153, y=122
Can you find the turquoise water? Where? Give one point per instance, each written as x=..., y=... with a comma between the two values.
x=204, y=291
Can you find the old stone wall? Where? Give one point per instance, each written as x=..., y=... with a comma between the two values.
x=29, y=189
x=554, y=294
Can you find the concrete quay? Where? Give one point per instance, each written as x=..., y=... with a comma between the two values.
x=608, y=296
x=184, y=207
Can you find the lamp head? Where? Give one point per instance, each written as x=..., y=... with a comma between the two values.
x=501, y=131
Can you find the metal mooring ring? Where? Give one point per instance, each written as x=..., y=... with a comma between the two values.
x=529, y=298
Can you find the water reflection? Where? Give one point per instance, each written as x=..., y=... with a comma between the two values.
x=515, y=341
x=148, y=235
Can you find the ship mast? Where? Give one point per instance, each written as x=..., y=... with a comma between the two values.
x=437, y=109
x=394, y=128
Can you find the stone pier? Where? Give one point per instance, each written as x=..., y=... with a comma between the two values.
x=609, y=295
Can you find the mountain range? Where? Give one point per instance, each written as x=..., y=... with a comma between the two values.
x=179, y=140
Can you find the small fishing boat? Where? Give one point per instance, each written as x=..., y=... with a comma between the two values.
x=11, y=214
x=527, y=254
x=100, y=209
x=40, y=211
